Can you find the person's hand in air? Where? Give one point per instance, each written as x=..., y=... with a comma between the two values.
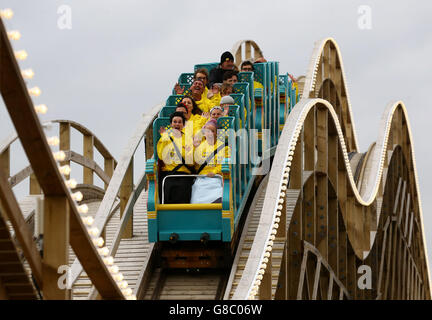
x=179, y=90
x=215, y=89
x=196, y=141
x=292, y=78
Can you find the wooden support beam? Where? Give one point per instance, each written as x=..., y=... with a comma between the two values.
x=321, y=209
x=109, y=164
x=342, y=253
x=363, y=223
x=333, y=57
x=351, y=273
x=302, y=277
x=34, y=185
x=387, y=265
x=56, y=246
x=311, y=266
x=309, y=141
x=331, y=286
x=265, y=291
x=5, y=162
x=109, y=169
x=65, y=142
x=295, y=233
x=238, y=56
x=402, y=267
x=88, y=147
x=333, y=229
x=333, y=203
x=294, y=252
x=309, y=210
x=248, y=50
x=316, y=279
x=126, y=190
x=324, y=283
x=409, y=269
x=372, y=262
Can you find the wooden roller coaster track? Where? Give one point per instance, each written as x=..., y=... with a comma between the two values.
x=336, y=230
x=327, y=222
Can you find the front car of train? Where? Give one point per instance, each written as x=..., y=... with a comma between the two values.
x=251, y=130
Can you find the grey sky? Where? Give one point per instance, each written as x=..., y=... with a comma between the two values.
x=122, y=57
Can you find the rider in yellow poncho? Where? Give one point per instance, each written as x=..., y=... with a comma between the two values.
x=208, y=158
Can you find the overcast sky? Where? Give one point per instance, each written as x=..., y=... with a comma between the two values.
x=121, y=58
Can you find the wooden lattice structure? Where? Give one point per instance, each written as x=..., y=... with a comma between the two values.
x=333, y=213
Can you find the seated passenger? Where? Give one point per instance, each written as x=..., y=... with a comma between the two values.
x=171, y=148
x=208, y=157
x=247, y=66
x=217, y=112
x=294, y=86
x=183, y=109
x=229, y=101
x=226, y=63
x=230, y=77
x=196, y=92
x=226, y=90
x=200, y=74
x=214, y=93
x=226, y=102
x=193, y=115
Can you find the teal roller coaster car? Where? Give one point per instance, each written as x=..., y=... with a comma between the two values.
x=254, y=112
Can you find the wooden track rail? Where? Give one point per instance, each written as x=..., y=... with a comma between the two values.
x=65, y=225
x=326, y=65
x=64, y=127
x=353, y=228
x=246, y=46
x=347, y=228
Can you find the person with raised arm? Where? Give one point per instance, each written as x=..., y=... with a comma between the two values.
x=193, y=115
x=171, y=149
x=208, y=157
